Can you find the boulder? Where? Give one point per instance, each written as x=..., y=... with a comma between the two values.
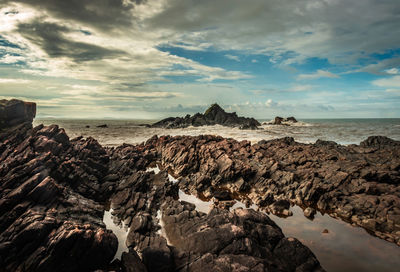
x=14, y=112
x=283, y=121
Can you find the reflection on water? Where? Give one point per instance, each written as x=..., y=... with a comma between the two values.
x=201, y=206
x=118, y=228
x=343, y=248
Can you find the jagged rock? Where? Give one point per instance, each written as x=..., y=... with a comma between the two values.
x=325, y=175
x=214, y=115
x=221, y=238
x=14, y=112
x=283, y=121
x=379, y=141
x=50, y=190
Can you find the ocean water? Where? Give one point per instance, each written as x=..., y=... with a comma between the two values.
x=343, y=131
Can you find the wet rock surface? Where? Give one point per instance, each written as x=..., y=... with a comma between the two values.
x=357, y=183
x=214, y=115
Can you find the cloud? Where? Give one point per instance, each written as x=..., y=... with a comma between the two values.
x=269, y=103
x=392, y=71
x=14, y=81
x=387, y=82
x=112, y=48
x=318, y=74
x=101, y=14
x=326, y=30
x=232, y=57
x=381, y=67
x=51, y=38
x=301, y=88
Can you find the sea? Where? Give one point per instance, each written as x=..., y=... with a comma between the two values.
x=339, y=246
x=342, y=131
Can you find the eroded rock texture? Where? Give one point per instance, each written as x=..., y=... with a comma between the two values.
x=358, y=183
x=14, y=112
x=50, y=212
x=243, y=240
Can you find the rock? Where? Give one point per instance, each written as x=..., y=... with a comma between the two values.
x=283, y=121
x=325, y=175
x=50, y=211
x=87, y=126
x=132, y=263
x=102, y=126
x=222, y=238
x=214, y=115
x=379, y=141
x=14, y=112
x=278, y=120
x=309, y=212
x=325, y=231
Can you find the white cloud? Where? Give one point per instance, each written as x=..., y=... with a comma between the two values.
x=318, y=74
x=392, y=71
x=301, y=88
x=269, y=103
x=232, y=57
x=14, y=81
x=387, y=82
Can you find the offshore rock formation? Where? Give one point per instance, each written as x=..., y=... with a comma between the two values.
x=214, y=115
x=14, y=112
x=283, y=121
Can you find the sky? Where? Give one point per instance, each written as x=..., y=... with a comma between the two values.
x=148, y=59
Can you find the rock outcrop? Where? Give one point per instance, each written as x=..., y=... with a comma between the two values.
x=214, y=115
x=357, y=183
x=14, y=112
x=283, y=121
x=54, y=191
x=51, y=210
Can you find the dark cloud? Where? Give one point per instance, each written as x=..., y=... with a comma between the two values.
x=101, y=14
x=51, y=38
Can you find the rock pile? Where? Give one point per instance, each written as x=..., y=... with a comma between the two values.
x=214, y=115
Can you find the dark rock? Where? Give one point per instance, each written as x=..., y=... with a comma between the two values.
x=50, y=216
x=325, y=175
x=214, y=115
x=283, y=121
x=132, y=263
x=309, y=212
x=102, y=126
x=379, y=141
x=14, y=112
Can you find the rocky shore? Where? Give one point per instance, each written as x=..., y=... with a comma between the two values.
x=54, y=191
x=214, y=115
